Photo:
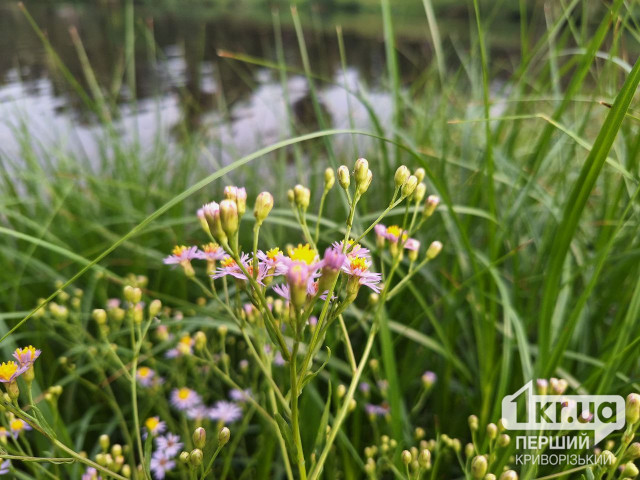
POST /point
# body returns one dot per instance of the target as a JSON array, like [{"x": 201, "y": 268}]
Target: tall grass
[{"x": 539, "y": 179}]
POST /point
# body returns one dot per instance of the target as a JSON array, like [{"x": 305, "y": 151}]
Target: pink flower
[
  {"x": 228, "y": 266},
  {"x": 412, "y": 244},
  {"x": 358, "y": 267},
  {"x": 354, "y": 250},
  {"x": 181, "y": 254},
  {"x": 210, "y": 252}
]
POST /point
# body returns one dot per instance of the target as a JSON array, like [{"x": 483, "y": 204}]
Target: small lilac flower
[
  {"x": 278, "y": 359},
  {"x": 358, "y": 267},
  {"x": 146, "y": 377},
  {"x": 17, "y": 426},
  {"x": 228, "y": 266},
  {"x": 210, "y": 252},
  {"x": 197, "y": 412},
  {"x": 26, "y": 356},
  {"x": 5, "y": 466},
  {"x": 160, "y": 464},
  {"x": 412, "y": 244},
  {"x": 354, "y": 250},
  {"x": 376, "y": 410},
  {"x": 89, "y": 474},
  {"x": 225, "y": 412},
  {"x": 170, "y": 444},
  {"x": 364, "y": 387},
  {"x": 240, "y": 395},
  {"x": 180, "y": 255},
  {"x": 429, "y": 378},
  {"x": 184, "y": 398},
  {"x": 154, "y": 426}
]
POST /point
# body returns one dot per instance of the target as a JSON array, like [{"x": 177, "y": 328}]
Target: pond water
[{"x": 181, "y": 81}]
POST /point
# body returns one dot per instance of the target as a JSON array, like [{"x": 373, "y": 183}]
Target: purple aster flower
[
  {"x": 26, "y": 356},
  {"x": 210, "y": 252},
  {"x": 354, "y": 250},
  {"x": 181, "y": 255},
  {"x": 240, "y": 395},
  {"x": 169, "y": 444},
  {"x": 376, "y": 410},
  {"x": 184, "y": 398},
  {"x": 412, "y": 244},
  {"x": 89, "y": 474},
  {"x": 228, "y": 266},
  {"x": 225, "y": 412},
  {"x": 358, "y": 267},
  {"x": 160, "y": 464}
]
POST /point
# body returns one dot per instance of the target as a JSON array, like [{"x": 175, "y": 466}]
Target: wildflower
[
  {"x": 197, "y": 412},
  {"x": 170, "y": 444},
  {"x": 26, "y": 357},
  {"x": 154, "y": 426},
  {"x": 428, "y": 379},
  {"x": 298, "y": 282},
  {"x": 352, "y": 249},
  {"x": 225, "y": 412},
  {"x": 381, "y": 235},
  {"x": 430, "y": 205},
  {"x": 343, "y": 176},
  {"x": 184, "y": 398},
  {"x": 278, "y": 359},
  {"x": 433, "y": 250},
  {"x": 160, "y": 464},
  {"x": 90, "y": 474},
  {"x": 332, "y": 263},
  {"x": 240, "y": 395},
  {"x": 264, "y": 204},
  {"x": 146, "y": 377},
  {"x": 4, "y": 467},
  {"x": 302, "y": 253},
  {"x": 376, "y": 410},
  {"x": 228, "y": 266},
  {"x": 10, "y": 371},
  {"x": 358, "y": 271},
  {"x": 211, "y": 252},
  {"x": 182, "y": 255},
  {"x": 17, "y": 426}
]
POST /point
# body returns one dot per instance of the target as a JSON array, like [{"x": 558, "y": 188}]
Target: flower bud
[
  {"x": 195, "y": 457},
  {"x": 509, "y": 475},
  {"x": 401, "y": 176},
  {"x": 424, "y": 458},
  {"x": 430, "y": 205},
  {"x": 329, "y": 179},
  {"x": 223, "y": 330},
  {"x": 428, "y": 379},
  {"x": 542, "y": 386},
  {"x": 341, "y": 390},
  {"x": 419, "y": 193},
  {"x": 489, "y": 476},
  {"x": 504, "y": 440},
  {"x": 632, "y": 410},
  {"x": 116, "y": 450},
  {"x": 406, "y": 457},
  {"x": 126, "y": 471},
  {"x": 184, "y": 457},
  {"x": 104, "y": 442},
  {"x": 138, "y": 313},
  {"x": 154, "y": 307},
  {"x": 492, "y": 431},
  {"x": 291, "y": 197},
  {"x": 224, "y": 436},
  {"x": 302, "y": 196},
  {"x": 229, "y": 217},
  {"x": 409, "y": 186},
  {"x": 433, "y": 250},
  {"x": 478, "y": 466},
  {"x": 419, "y": 174},
  {"x": 264, "y": 204},
  {"x": 343, "y": 176},
  {"x": 212, "y": 216},
  {"x": 132, "y": 294},
  {"x": 364, "y": 186},
  {"x": 230, "y": 192},
  {"x": 298, "y": 279},
  {"x": 199, "y": 340},
  {"x": 473, "y": 423},
  {"x": 360, "y": 170},
  {"x": 199, "y": 437},
  {"x": 629, "y": 471},
  {"x": 241, "y": 201},
  {"x": 469, "y": 449},
  {"x": 100, "y": 316},
  {"x": 633, "y": 451}
]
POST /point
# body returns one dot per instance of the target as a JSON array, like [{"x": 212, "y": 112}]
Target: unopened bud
[
  {"x": 632, "y": 409},
  {"x": 360, "y": 171},
  {"x": 341, "y": 391},
  {"x": 430, "y": 205},
  {"x": 489, "y": 476},
  {"x": 401, "y": 176},
  {"x": 224, "y": 436},
  {"x": 104, "y": 442},
  {"x": 302, "y": 196},
  {"x": 195, "y": 457},
  {"x": 406, "y": 457},
  {"x": 629, "y": 471},
  {"x": 229, "y": 217},
  {"x": 200, "y": 340},
  {"x": 264, "y": 204},
  {"x": 409, "y": 186},
  {"x": 343, "y": 176},
  {"x": 478, "y": 466},
  {"x": 634, "y": 450},
  {"x": 184, "y": 457},
  {"x": 424, "y": 458},
  {"x": 509, "y": 475},
  {"x": 126, "y": 471},
  {"x": 504, "y": 440},
  {"x": 492, "y": 431},
  {"x": 212, "y": 216},
  {"x": 199, "y": 437},
  {"x": 419, "y": 174},
  {"x": 329, "y": 179},
  {"x": 132, "y": 294},
  {"x": 433, "y": 250},
  {"x": 241, "y": 201},
  {"x": 419, "y": 193},
  {"x": 100, "y": 316}
]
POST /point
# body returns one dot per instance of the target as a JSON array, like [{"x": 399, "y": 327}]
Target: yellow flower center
[
  {"x": 303, "y": 253},
  {"x": 273, "y": 253},
  {"x": 359, "y": 263},
  {"x": 178, "y": 250},
  {"x": 184, "y": 393},
  {"x": 16, "y": 425},
  {"x": 144, "y": 372},
  {"x": 211, "y": 247},
  {"x": 186, "y": 340},
  {"x": 394, "y": 230},
  {"x": 23, "y": 351},
  {"x": 152, "y": 423},
  {"x": 7, "y": 369},
  {"x": 228, "y": 262}
]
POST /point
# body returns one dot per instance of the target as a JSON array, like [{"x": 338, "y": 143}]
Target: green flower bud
[
  {"x": 264, "y": 204},
  {"x": 401, "y": 176},
  {"x": 633, "y": 451},
  {"x": 223, "y": 436},
  {"x": 302, "y": 196},
  {"x": 632, "y": 409},
  {"x": 104, "y": 442},
  {"x": 419, "y": 174},
  {"x": 433, "y": 250},
  {"x": 419, "y": 193},
  {"x": 489, "y": 476},
  {"x": 200, "y": 341},
  {"x": 199, "y": 437},
  {"x": 360, "y": 171},
  {"x": 509, "y": 475},
  {"x": 478, "y": 466},
  {"x": 184, "y": 457},
  {"x": 364, "y": 186},
  {"x": 154, "y": 307},
  {"x": 329, "y": 179},
  {"x": 504, "y": 440},
  {"x": 492, "y": 431},
  {"x": 229, "y": 217},
  {"x": 116, "y": 450},
  {"x": 343, "y": 176},
  {"x": 630, "y": 470},
  {"x": 406, "y": 457},
  {"x": 100, "y": 316},
  {"x": 195, "y": 457},
  {"x": 126, "y": 471},
  {"x": 430, "y": 205},
  {"x": 469, "y": 450},
  {"x": 132, "y": 294},
  {"x": 409, "y": 186},
  {"x": 424, "y": 458},
  {"x": 211, "y": 213}
]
